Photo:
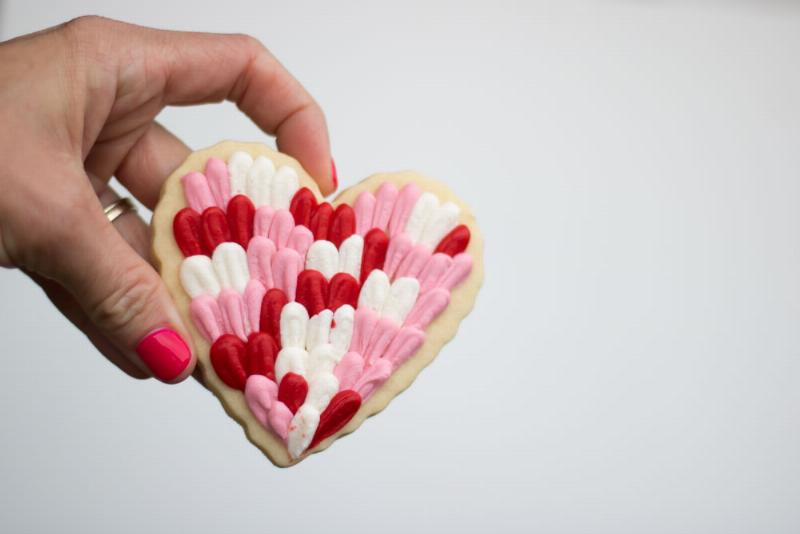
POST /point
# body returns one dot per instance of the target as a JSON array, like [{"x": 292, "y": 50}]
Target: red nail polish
[
  {"x": 333, "y": 174},
  {"x": 165, "y": 353}
]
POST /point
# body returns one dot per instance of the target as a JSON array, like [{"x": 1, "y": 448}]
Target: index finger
[{"x": 206, "y": 67}]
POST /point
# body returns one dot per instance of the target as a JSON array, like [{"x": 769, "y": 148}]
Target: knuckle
[
  {"x": 85, "y": 34},
  {"x": 250, "y": 43},
  {"x": 129, "y": 298},
  {"x": 85, "y": 23}
]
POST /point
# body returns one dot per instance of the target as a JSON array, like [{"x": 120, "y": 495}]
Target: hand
[{"x": 77, "y": 105}]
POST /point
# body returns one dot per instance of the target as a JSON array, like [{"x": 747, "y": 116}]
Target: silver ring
[{"x": 119, "y": 207}]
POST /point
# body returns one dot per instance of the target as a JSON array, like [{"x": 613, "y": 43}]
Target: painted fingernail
[
  {"x": 333, "y": 175},
  {"x": 165, "y": 353}
]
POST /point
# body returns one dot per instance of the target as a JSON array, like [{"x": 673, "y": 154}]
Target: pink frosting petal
[
  {"x": 282, "y": 224},
  {"x": 385, "y": 199},
  {"x": 261, "y": 394},
  {"x": 402, "y": 208},
  {"x": 414, "y": 261},
  {"x": 407, "y": 341},
  {"x": 207, "y": 316},
  {"x": 279, "y": 418},
  {"x": 427, "y": 308},
  {"x": 219, "y": 182},
  {"x": 434, "y": 270},
  {"x": 286, "y": 265},
  {"x": 260, "y": 252},
  {"x": 348, "y": 370},
  {"x": 234, "y": 313},
  {"x": 262, "y": 221},
  {"x": 363, "y": 324},
  {"x": 462, "y": 266},
  {"x": 364, "y": 208},
  {"x": 399, "y": 247},
  {"x": 198, "y": 194},
  {"x": 385, "y": 330},
  {"x": 300, "y": 238},
  {"x": 373, "y": 378},
  {"x": 253, "y": 296}
]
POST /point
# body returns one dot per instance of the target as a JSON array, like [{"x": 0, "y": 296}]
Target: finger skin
[
  {"x": 149, "y": 162},
  {"x": 182, "y": 68}
]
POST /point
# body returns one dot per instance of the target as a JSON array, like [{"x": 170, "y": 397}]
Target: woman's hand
[{"x": 77, "y": 105}]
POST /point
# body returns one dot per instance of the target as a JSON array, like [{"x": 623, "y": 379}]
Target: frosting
[
  {"x": 364, "y": 208},
  {"x": 259, "y": 180},
  {"x": 230, "y": 265},
  {"x": 218, "y": 181},
  {"x": 280, "y": 227},
  {"x": 406, "y": 201},
  {"x": 376, "y": 244},
  {"x": 323, "y": 256},
  {"x": 263, "y": 220},
  {"x": 198, "y": 194},
  {"x": 198, "y": 277},
  {"x": 234, "y": 314},
  {"x": 302, "y": 429},
  {"x": 350, "y": 252},
  {"x": 238, "y": 166},
  {"x": 310, "y": 308},
  {"x": 213, "y": 228},
  {"x": 384, "y": 204},
  {"x": 293, "y": 391}
]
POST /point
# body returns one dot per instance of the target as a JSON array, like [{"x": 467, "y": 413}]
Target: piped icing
[{"x": 309, "y": 308}]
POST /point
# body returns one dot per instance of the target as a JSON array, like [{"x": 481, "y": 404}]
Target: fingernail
[
  {"x": 165, "y": 353},
  {"x": 333, "y": 174}
]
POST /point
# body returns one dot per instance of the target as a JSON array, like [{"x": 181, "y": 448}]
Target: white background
[{"x": 632, "y": 363}]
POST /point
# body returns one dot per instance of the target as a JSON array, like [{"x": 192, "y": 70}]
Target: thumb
[{"x": 121, "y": 294}]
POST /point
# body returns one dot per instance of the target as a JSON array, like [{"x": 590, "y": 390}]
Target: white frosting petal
[
  {"x": 319, "y": 329},
  {"x": 230, "y": 264},
  {"x": 294, "y": 322},
  {"x": 374, "y": 291},
  {"x": 238, "y": 165},
  {"x": 302, "y": 429},
  {"x": 259, "y": 181},
  {"x": 342, "y": 333},
  {"x": 401, "y": 299},
  {"x": 290, "y": 360},
  {"x": 284, "y": 185},
  {"x": 426, "y": 204},
  {"x": 350, "y": 252},
  {"x": 443, "y": 219},
  {"x": 322, "y": 359},
  {"x": 321, "y": 389},
  {"x": 323, "y": 257},
  {"x": 198, "y": 277}
]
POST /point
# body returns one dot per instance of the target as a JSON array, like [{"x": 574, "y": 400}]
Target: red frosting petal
[
  {"x": 312, "y": 291},
  {"x": 186, "y": 227},
  {"x": 214, "y": 228},
  {"x": 227, "y": 357},
  {"x": 321, "y": 221},
  {"x": 342, "y": 289},
  {"x": 340, "y": 410},
  {"x": 375, "y": 244},
  {"x": 260, "y": 356},
  {"x": 241, "y": 213},
  {"x": 292, "y": 391},
  {"x": 343, "y": 224},
  {"x": 454, "y": 242},
  {"x": 273, "y": 302},
  {"x": 303, "y": 205}
]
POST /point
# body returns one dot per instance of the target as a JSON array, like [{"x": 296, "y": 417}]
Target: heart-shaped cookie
[{"x": 307, "y": 317}]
